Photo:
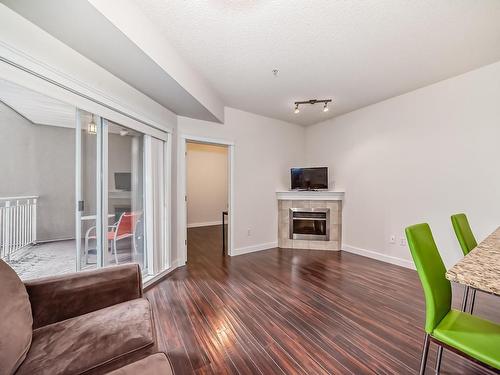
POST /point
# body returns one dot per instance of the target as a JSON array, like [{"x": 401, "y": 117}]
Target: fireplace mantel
[{"x": 321, "y": 195}]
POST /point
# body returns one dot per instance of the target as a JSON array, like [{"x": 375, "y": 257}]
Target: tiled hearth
[{"x": 310, "y": 200}]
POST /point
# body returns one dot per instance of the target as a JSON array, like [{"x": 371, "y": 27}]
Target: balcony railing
[{"x": 17, "y": 224}]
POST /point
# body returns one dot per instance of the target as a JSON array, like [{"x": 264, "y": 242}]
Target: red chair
[{"x": 122, "y": 229}]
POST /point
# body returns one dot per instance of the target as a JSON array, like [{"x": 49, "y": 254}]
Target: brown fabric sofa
[{"x": 90, "y": 322}]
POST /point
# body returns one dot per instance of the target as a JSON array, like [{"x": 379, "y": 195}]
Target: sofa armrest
[{"x": 57, "y": 298}]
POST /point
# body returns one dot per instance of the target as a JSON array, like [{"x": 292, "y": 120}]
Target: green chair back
[
  {"x": 463, "y": 232},
  {"x": 431, "y": 270}
]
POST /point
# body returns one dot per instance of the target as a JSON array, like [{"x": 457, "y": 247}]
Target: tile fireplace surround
[{"x": 310, "y": 200}]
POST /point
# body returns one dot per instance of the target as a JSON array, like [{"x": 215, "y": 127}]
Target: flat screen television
[
  {"x": 123, "y": 181},
  {"x": 309, "y": 178}
]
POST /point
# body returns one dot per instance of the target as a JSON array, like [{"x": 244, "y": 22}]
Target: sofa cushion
[
  {"x": 83, "y": 343},
  {"x": 156, "y": 364},
  {"x": 16, "y": 320}
]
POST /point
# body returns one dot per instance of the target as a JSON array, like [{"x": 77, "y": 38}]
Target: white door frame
[
  {"x": 78, "y": 189},
  {"x": 182, "y": 192}
]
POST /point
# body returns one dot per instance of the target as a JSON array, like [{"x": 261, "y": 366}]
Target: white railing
[{"x": 17, "y": 224}]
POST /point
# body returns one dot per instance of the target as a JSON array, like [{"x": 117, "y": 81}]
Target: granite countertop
[{"x": 480, "y": 269}]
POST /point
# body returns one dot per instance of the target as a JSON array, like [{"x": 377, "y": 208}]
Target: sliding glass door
[
  {"x": 78, "y": 190},
  {"x": 157, "y": 205},
  {"x": 120, "y": 196},
  {"x": 125, "y": 197}
]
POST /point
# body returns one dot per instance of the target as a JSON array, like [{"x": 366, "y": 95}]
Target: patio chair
[{"x": 122, "y": 229}]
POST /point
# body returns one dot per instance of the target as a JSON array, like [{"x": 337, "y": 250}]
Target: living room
[{"x": 350, "y": 130}]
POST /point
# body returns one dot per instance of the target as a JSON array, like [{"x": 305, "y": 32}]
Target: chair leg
[
  {"x": 472, "y": 300},
  {"x": 464, "y": 301},
  {"x": 116, "y": 253},
  {"x": 439, "y": 356},
  {"x": 425, "y": 352},
  {"x": 86, "y": 250}
]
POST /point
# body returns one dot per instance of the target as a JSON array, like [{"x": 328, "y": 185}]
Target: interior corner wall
[
  {"x": 206, "y": 175},
  {"x": 264, "y": 151},
  {"x": 418, "y": 157}
]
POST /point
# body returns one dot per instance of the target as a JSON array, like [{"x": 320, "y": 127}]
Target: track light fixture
[{"x": 313, "y": 101}]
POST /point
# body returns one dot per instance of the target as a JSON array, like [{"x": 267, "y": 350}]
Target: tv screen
[
  {"x": 123, "y": 181},
  {"x": 309, "y": 178}
]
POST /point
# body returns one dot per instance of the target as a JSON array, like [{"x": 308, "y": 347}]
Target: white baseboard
[
  {"x": 254, "y": 248},
  {"x": 204, "y": 224},
  {"x": 379, "y": 256}
]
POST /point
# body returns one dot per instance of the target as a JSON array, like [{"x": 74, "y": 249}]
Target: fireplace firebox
[{"x": 309, "y": 224}]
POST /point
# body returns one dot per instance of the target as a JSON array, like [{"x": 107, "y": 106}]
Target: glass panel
[
  {"x": 87, "y": 243},
  {"x": 317, "y": 227},
  {"x": 157, "y": 238},
  {"x": 125, "y": 232},
  {"x": 37, "y": 191}
]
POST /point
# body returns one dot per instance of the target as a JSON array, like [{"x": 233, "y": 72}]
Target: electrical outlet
[
  {"x": 402, "y": 241},
  {"x": 249, "y": 232},
  {"x": 392, "y": 239}
]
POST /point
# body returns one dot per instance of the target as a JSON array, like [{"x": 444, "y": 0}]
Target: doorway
[{"x": 206, "y": 222}]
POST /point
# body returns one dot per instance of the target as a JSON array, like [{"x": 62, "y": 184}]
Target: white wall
[
  {"x": 264, "y": 151},
  {"x": 418, "y": 157},
  {"x": 39, "y": 160},
  {"x": 206, "y": 171}
]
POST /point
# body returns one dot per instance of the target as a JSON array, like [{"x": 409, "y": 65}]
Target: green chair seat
[{"x": 476, "y": 337}]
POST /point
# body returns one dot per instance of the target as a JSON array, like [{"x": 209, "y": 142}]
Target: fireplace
[{"x": 309, "y": 224}]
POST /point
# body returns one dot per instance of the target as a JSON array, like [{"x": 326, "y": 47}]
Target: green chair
[
  {"x": 465, "y": 334},
  {"x": 467, "y": 243},
  {"x": 463, "y": 232}
]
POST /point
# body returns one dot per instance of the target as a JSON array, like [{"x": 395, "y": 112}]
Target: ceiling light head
[
  {"x": 325, "y": 107},
  {"x": 123, "y": 132},
  {"x": 92, "y": 127},
  {"x": 297, "y": 110}
]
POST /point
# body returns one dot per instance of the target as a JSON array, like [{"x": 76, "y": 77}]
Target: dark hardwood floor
[{"x": 295, "y": 311}]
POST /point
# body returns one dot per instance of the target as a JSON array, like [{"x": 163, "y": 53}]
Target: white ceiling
[
  {"x": 78, "y": 24},
  {"x": 356, "y": 52},
  {"x": 40, "y": 109},
  {"x": 37, "y": 108}
]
